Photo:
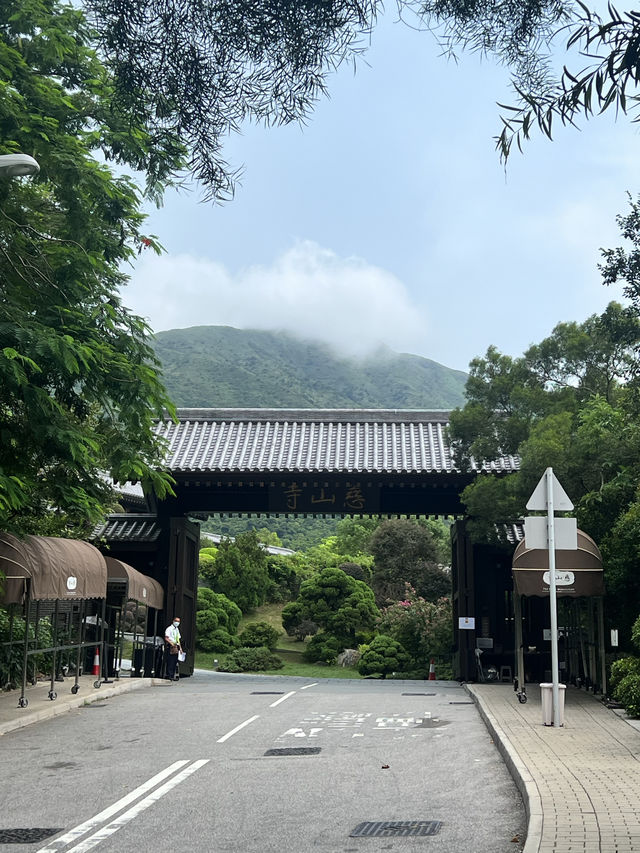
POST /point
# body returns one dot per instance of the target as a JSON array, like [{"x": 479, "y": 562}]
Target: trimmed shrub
[
  {"x": 251, "y": 660},
  {"x": 218, "y": 641},
  {"x": 620, "y": 669},
  {"x": 323, "y": 648},
  {"x": 258, "y": 634},
  {"x": 628, "y": 694},
  {"x": 382, "y": 656}
]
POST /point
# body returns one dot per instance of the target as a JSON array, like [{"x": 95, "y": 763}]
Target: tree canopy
[{"x": 79, "y": 383}]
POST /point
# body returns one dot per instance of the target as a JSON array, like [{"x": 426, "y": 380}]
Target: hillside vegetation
[{"x": 218, "y": 366}]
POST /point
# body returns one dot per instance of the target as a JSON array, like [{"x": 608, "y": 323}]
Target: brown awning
[
  {"x": 139, "y": 587},
  {"x": 578, "y": 572},
  {"x": 48, "y": 568}
]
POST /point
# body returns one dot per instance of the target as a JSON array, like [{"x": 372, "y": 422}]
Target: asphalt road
[{"x": 186, "y": 767}]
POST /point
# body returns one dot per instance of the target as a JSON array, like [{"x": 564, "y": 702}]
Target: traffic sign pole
[{"x": 553, "y": 606}]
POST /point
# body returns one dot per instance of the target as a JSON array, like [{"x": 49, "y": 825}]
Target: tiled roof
[
  {"x": 312, "y": 440},
  {"x": 128, "y": 528}
]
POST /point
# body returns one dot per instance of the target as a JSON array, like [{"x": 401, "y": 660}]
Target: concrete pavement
[{"x": 580, "y": 783}]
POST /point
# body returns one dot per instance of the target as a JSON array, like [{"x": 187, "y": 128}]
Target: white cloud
[{"x": 307, "y": 290}]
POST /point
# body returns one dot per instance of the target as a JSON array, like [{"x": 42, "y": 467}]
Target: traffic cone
[
  {"x": 96, "y": 662},
  {"x": 432, "y": 670}
]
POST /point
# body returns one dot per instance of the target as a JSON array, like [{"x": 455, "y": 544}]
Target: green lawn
[{"x": 289, "y": 649}]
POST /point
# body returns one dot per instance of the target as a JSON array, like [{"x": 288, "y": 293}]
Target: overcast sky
[{"x": 389, "y": 218}]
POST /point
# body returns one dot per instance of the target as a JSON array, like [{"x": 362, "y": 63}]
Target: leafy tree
[
  {"x": 79, "y": 382},
  {"x": 423, "y": 628},
  {"x": 353, "y": 535},
  {"x": 286, "y": 573},
  {"x": 405, "y": 552},
  {"x": 382, "y": 656},
  {"x": 197, "y": 71},
  {"x": 338, "y": 603},
  {"x": 240, "y": 571}
]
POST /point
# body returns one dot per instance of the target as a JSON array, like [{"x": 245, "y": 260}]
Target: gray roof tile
[{"x": 312, "y": 440}]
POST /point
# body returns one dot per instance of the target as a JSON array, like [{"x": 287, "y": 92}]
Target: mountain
[{"x": 219, "y": 366}]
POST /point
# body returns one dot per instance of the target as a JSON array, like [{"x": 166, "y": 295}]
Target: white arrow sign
[{"x": 538, "y": 500}]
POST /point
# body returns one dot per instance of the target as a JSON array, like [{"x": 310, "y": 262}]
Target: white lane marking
[
  {"x": 307, "y": 686},
  {"x": 237, "y": 729},
  {"x": 93, "y": 822},
  {"x": 123, "y": 819},
  {"x": 281, "y": 699}
]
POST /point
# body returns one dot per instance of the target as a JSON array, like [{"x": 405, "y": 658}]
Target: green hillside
[{"x": 218, "y": 366}]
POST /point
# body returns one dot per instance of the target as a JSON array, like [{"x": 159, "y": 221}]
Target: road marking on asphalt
[
  {"x": 307, "y": 686},
  {"x": 92, "y": 823},
  {"x": 282, "y": 698},
  {"x": 237, "y": 729},
  {"x": 138, "y": 808}
]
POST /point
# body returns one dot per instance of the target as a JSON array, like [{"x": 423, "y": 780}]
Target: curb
[
  {"x": 521, "y": 776},
  {"x": 58, "y": 707}
]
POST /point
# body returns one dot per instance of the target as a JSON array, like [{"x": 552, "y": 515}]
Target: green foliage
[
  {"x": 251, "y": 660},
  {"x": 568, "y": 403},
  {"x": 627, "y": 693},
  {"x": 286, "y": 573},
  {"x": 382, "y": 656},
  {"x": 12, "y": 648},
  {"x": 258, "y": 634},
  {"x": 423, "y": 628},
  {"x": 240, "y": 571},
  {"x": 79, "y": 382},
  {"x": 404, "y": 552},
  {"x": 323, "y": 648},
  {"x": 353, "y": 535},
  {"x": 296, "y": 533},
  {"x": 620, "y": 669},
  {"x": 338, "y": 603},
  {"x": 217, "y": 620},
  {"x": 222, "y": 366}
]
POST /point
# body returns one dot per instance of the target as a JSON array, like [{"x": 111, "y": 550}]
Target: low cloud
[{"x": 308, "y": 290}]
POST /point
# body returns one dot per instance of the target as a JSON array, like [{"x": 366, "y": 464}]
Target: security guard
[{"x": 172, "y": 647}]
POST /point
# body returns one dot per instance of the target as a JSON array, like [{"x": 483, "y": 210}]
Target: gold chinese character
[
  {"x": 323, "y": 499},
  {"x": 354, "y": 499},
  {"x": 293, "y": 493}
]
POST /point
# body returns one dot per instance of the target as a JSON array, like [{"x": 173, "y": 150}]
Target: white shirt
[{"x": 172, "y": 634}]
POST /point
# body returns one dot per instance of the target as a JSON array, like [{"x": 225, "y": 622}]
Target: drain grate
[
  {"x": 267, "y": 692},
  {"x": 387, "y": 828},
  {"x": 25, "y": 836},
  {"x": 461, "y": 703},
  {"x": 419, "y": 694},
  {"x": 294, "y": 750}
]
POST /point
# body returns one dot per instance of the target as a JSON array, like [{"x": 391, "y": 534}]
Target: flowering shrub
[{"x": 423, "y": 628}]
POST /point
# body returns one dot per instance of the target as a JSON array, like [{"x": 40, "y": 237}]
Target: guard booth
[
  {"x": 127, "y": 586},
  {"x": 580, "y": 591},
  {"x": 52, "y": 589}
]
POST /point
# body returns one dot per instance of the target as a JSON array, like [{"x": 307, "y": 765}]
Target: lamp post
[{"x": 18, "y": 166}]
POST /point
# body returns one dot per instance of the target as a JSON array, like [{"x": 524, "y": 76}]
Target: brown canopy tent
[
  {"x": 46, "y": 569},
  {"x": 579, "y": 574},
  {"x": 128, "y": 584}
]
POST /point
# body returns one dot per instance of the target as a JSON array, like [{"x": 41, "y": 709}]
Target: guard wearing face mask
[{"x": 172, "y": 647}]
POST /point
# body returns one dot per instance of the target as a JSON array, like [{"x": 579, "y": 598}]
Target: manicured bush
[
  {"x": 259, "y": 634},
  {"x": 323, "y": 648},
  {"x": 251, "y": 660},
  {"x": 382, "y": 656},
  {"x": 628, "y": 694},
  {"x": 620, "y": 669}
]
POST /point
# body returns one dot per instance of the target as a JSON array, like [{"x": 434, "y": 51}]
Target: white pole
[{"x": 552, "y": 598}]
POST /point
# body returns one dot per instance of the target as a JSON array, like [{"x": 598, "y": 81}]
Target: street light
[{"x": 18, "y": 165}]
